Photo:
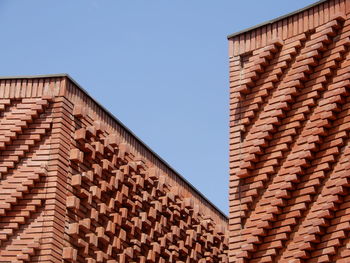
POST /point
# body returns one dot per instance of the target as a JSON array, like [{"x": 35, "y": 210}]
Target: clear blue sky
[{"x": 161, "y": 67}]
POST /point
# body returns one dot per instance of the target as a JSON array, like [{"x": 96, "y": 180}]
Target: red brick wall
[
  {"x": 76, "y": 186},
  {"x": 289, "y": 139}
]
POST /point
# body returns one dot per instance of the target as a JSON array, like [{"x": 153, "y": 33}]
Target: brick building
[
  {"x": 289, "y": 138},
  {"x": 77, "y": 186}
]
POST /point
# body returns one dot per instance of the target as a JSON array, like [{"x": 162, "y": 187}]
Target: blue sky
[{"x": 161, "y": 67}]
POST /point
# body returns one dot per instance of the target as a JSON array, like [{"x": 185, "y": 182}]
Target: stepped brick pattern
[
  {"x": 78, "y": 186},
  {"x": 289, "y": 138}
]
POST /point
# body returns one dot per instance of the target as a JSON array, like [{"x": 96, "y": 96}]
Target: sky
[{"x": 161, "y": 67}]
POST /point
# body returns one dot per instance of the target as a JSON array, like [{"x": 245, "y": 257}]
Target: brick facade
[
  {"x": 289, "y": 138},
  {"x": 77, "y": 186}
]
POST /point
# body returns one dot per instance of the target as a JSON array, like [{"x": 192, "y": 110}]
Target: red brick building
[
  {"x": 77, "y": 186},
  {"x": 289, "y": 138}
]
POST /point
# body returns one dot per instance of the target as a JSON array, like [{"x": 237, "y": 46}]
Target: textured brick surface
[
  {"x": 77, "y": 186},
  {"x": 289, "y": 139}
]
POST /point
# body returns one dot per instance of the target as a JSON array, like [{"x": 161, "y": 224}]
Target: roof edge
[
  {"x": 269, "y": 22},
  {"x": 124, "y": 127}
]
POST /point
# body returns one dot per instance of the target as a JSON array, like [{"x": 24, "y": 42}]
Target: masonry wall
[
  {"x": 77, "y": 186},
  {"x": 289, "y": 138}
]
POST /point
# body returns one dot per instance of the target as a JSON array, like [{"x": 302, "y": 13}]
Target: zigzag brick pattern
[
  {"x": 289, "y": 138},
  {"x": 122, "y": 210},
  {"x": 77, "y": 186}
]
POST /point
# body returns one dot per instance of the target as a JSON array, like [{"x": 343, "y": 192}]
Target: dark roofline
[
  {"x": 124, "y": 127},
  {"x": 276, "y": 19}
]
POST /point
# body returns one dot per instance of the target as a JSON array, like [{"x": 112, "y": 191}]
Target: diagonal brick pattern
[
  {"x": 25, "y": 131},
  {"x": 289, "y": 138}
]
